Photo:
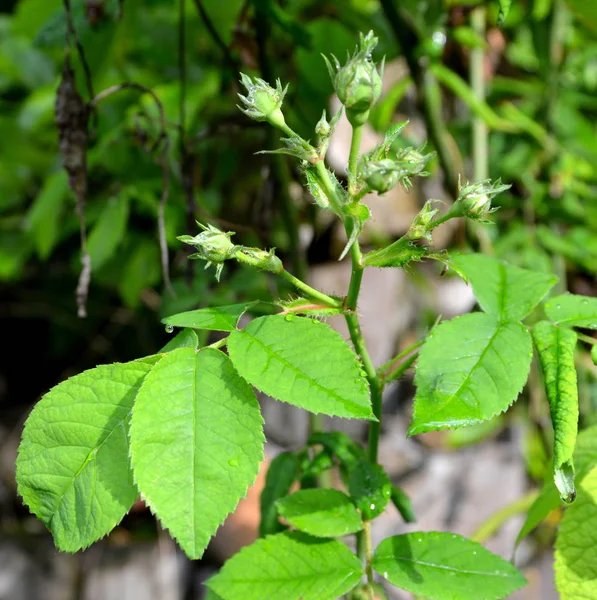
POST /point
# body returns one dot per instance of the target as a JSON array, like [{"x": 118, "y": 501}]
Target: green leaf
[
  {"x": 342, "y": 446},
  {"x": 556, "y": 352},
  {"x": 585, "y": 457},
  {"x": 573, "y": 311},
  {"x": 505, "y": 291},
  {"x": 322, "y": 513},
  {"x": 370, "y": 488},
  {"x": 73, "y": 467},
  {"x": 44, "y": 220},
  {"x": 217, "y": 318},
  {"x": 289, "y": 566},
  {"x": 109, "y": 230},
  {"x": 304, "y": 362},
  {"x": 585, "y": 11},
  {"x": 576, "y": 550},
  {"x": 470, "y": 369},
  {"x": 187, "y": 338},
  {"x": 403, "y": 504},
  {"x": 594, "y": 354},
  {"x": 282, "y": 473},
  {"x": 504, "y": 10},
  {"x": 445, "y": 566},
  {"x": 196, "y": 443}
]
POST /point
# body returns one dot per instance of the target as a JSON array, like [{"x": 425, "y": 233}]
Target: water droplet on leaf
[
  {"x": 289, "y": 318},
  {"x": 169, "y": 328}
]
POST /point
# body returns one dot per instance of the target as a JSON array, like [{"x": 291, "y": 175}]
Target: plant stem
[
  {"x": 402, "y": 368},
  {"x": 385, "y": 368},
  {"x": 489, "y": 527},
  {"x": 353, "y": 157},
  {"x": 480, "y": 132},
  {"x": 311, "y": 292},
  {"x": 219, "y": 343},
  {"x": 368, "y": 551}
]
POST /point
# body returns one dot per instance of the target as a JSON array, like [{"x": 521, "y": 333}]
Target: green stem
[
  {"x": 586, "y": 338},
  {"x": 489, "y": 527},
  {"x": 310, "y": 291},
  {"x": 353, "y": 157},
  {"x": 368, "y": 551},
  {"x": 401, "y": 369},
  {"x": 219, "y": 343},
  {"x": 480, "y": 139},
  {"x": 385, "y": 368}
]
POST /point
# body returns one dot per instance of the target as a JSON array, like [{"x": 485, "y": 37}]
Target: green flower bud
[
  {"x": 422, "y": 225},
  {"x": 212, "y": 245},
  {"x": 262, "y": 102},
  {"x": 358, "y": 83},
  {"x": 380, "y": 175},
  {"x": 474, "y": 199}
]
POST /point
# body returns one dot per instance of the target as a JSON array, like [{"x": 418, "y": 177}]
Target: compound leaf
[
  {"x": 470, "y": 369},
  {"x": 196, "y": 443},
  {"x": 503, "y": 290},
  {"x": 556, "y": 347},
  {"x": 293, "y": 566},
  {"x": 445, "y": 566},
  {"x": 73, "y": 466},
  {"x": 576, "y": 545},
  {"x": 573, "y": 311},
  {"x": 322, "y": 513},
  {"x": 303, "y": 362},
  {"x": 282, "y": 473},
  {"x": 217, "y": 318}
]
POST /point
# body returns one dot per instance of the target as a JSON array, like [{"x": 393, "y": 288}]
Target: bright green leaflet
[
  {"x": 504, "y": 10},
  {"x": 445, "y": 566},
  {"x": 73, "y": 466},
  {"x": 556, "y": 347},
  {"x": 585, "y": 457},
  {"x": 322, "y": 513},
  {"x": 282, "y": 473},
  {"x": 187, "y": 338},
  {"x": 303, "y": 362},
  {"x": 108, "y": 231},
  {"x": 573, "y": 311},
  {"x": 370, "y": 487},
  {"x": 576, "y": 545},
  {"x": 289, "y": 566},
  {"x": 470, "y": 369},
  {"x": 218, "y": 318},
  {"x": 505, "y": 291},
  {"x": 196, "y": 443}
]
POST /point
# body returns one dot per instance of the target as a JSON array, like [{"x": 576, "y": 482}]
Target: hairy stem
[
  {"x": 368, "y": 551},
  {"x": 355, "y": 144},
  {"x": 310, "y": 291}
]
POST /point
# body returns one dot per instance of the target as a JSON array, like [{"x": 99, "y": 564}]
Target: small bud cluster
[
  {"x": 381, "y": 173},
  {"x": 215, "y": 247},
  {"x": 358, "y": 82},
  {"x": 423, "y": 224}
]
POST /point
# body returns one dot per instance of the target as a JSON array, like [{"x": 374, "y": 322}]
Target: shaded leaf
[
  {"x": 322, "y": 513},
  {"x": 216, "y": 318},
  {"x": 292, "y": 566},
  {"x": 196, "y": 443},
  {"x": 556, "y": 352},
  {"x": 445, "y": 566},
  {"x": 73, "y": 465},
  {"x": 505, "y": 291},
  {"x": 109, "y": 230},
  {"x": 187, "y": 338},
  {"x": 303, "y": 362},
  {"x": 573, "y": 311},
  {"x": 282, "y": 473},
  {"x": 470, "y": 369},
  {"x": 370, "y": 488}
]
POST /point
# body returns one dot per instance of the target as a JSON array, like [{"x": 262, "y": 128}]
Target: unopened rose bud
[
  {"x": 263, "y": 102},
  {"x": 358, "y": 82}
]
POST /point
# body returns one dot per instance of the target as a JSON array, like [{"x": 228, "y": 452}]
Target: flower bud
[
  {"x": 262, "y": 102},
  {"x": 260, "y": 259},
  {"x": 358, "y": 83},
  {"x": 422, "y": 225},
  {"x": 474, "y": 199},
  {"x": 380, "y": 175}
]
